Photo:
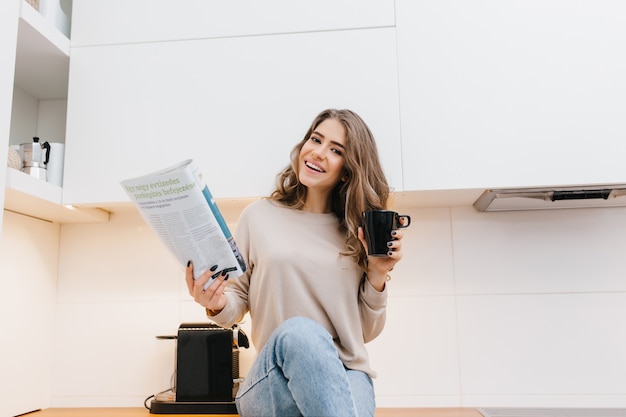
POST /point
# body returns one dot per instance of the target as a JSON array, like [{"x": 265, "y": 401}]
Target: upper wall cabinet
[
  {"x": 8, "y": 40},
  {"x": 120, "y": 21},
  {"x": 34, "y": 88},
  {"x": 42, "y": 59},
  {"x": 514, "y": 93},
  {"x": 237, "y": 105}
]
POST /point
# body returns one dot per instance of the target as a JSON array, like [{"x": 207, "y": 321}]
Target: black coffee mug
[{"x": 377, "y": 226}]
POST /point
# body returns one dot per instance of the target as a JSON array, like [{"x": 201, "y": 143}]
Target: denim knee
[
  {"x": 301, "y": 326},
  {"x": 302, "y": 333}
]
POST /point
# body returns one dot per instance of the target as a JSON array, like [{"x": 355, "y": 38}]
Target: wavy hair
[{"x": 366, "y": 187}]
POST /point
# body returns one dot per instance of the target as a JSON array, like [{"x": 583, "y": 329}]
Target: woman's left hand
[{"x": 380, "y": 266}]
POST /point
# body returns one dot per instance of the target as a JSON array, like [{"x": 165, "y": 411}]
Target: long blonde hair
[{"x": 366, "y": 187}]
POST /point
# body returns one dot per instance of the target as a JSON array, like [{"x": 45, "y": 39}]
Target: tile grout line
[{"x": 456, "y": 310}]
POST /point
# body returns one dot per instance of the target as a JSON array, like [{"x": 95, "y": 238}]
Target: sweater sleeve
[
  {"x": 237, "y": 290},
  {"x": 373, "y": 309}
]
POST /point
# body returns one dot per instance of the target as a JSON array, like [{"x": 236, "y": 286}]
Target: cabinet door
[
  {"x": 9, "y": 12},
  {"x": 514, "y": 93},
  {"x": 150, "y": 21},
  {"x": 236, "y": 105}
]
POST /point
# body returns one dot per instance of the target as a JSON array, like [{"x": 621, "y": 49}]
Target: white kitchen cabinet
[
  {"x": 120, "y": 21},
  {"x": 515, "y": 93},
  {"x": 39, "y": 199},
  {"x": 237, "y": 105},
  {"x": 41, "y": 76},
  {"x": 35, "y": 82},
  {"x": 8, "y": 40}
]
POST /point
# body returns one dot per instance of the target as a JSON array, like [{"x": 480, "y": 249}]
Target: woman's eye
[
  {"x": 314, "y": 139},
  {"x": 337, "y": 151}
]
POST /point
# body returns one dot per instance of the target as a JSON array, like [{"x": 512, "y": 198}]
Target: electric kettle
[{"x": 36, "y": 155}]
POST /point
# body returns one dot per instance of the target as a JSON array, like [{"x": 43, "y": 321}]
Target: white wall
[
  {"x": 23, "y": 117},
  {"x": 28, "y": 271},
  {"x": 516, "y": 308}
]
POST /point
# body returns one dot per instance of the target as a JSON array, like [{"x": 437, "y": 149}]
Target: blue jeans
[{"x": 298, "y": 373}]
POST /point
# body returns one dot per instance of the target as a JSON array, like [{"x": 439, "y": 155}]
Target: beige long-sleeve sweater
[{"x": 295, "y": 269}]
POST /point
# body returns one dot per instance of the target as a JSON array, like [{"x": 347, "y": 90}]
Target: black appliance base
[{"x": 185, "y": 407}]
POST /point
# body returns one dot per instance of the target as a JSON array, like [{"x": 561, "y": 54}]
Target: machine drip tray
[{"x": 188, "y": 407}]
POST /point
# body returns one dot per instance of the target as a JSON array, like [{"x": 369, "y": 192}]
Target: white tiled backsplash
[{"x": 486, "y": 309}]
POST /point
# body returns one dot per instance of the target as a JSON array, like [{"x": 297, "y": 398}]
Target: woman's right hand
[{"x": 213, "y": 297}]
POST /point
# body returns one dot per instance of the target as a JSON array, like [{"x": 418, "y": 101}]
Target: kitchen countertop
[{"x": 137, "y": 412}]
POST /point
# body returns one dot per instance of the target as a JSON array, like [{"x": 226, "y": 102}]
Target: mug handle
[{"x": 407, "y": 219}]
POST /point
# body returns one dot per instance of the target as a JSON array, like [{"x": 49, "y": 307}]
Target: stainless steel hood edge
[{"x": 546, "y": 198}]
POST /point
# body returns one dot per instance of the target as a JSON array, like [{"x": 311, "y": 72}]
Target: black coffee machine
[{"x": 207, "y": 370}]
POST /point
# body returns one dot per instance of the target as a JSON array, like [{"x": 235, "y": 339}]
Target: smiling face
[{"x": 321, "y": 159}]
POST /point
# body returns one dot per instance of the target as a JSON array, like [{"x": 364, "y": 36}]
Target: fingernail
[
  {"x": 213, "y": 268},
  {"x": 226, "y": 277},
  {"x": 394, "y": 232},
  {"x": 389, "y": 253},
  {"x": 188, "y": 264},
  {"x": 224, "y": 272},
  {"x": 389, "y": 244}
]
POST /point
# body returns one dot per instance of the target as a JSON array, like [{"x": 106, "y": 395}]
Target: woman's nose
[{"x": 319, "y": 153}]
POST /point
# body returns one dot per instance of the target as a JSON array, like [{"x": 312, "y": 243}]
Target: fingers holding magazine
[{"x": 208, "y": 289}]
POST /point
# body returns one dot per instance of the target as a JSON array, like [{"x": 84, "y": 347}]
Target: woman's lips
[{"x": 313, "y": 166}]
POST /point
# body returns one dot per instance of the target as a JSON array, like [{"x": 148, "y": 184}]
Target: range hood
[{"x": 544, "y": 198}]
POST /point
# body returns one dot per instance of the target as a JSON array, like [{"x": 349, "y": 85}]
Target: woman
[{"x": 314, "y": 296}]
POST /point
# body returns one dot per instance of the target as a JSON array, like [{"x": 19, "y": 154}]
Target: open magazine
[{"x": 179, "y": 207}]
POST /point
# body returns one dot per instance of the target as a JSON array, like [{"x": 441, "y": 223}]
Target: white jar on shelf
[
  {"x": 55, "y": 163},
  {"x": 59, "y": 13}
]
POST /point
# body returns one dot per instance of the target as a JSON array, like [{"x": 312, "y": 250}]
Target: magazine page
[{"x": 178, "y": 206}]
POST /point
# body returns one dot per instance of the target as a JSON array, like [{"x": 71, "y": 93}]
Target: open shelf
[
  {"x": 36, "y": 198},
  {"x": 42, "y": 56},
  {"x": 42, "y": 70}
]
